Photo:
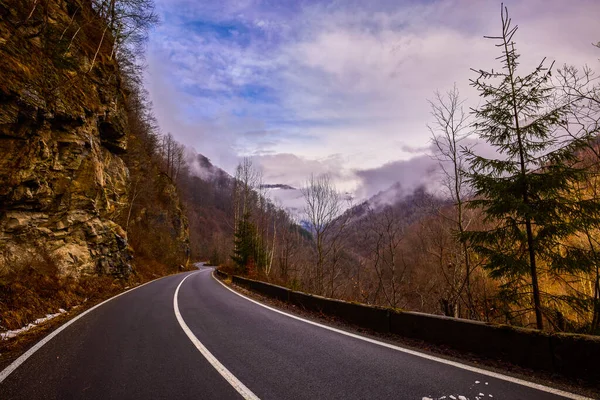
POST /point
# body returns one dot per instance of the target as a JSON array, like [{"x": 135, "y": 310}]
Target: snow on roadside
[{"x": 11, "y": 334}]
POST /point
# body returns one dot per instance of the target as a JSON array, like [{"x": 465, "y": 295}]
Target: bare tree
[
  {"x": 128, "y": 21},
  {"x": 173, "y": 156},
  {"x": 449, "y": 132},
  {"x": 580, "y": 91},
  {"x": 247, "y": 178},
  {"x": 324, "y": 207},
  {"x": 383, "y": 234},
  {"x": 249, "y": 243}
]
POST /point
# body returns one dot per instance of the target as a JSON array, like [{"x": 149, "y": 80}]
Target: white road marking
[
  {"x": 15, "y": 364},
  {"x": 229, "y": 377},
  {"x": 418, "y": 354}
]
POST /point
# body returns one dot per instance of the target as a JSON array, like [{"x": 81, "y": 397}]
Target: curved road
[{"x": 188, "y": 337}]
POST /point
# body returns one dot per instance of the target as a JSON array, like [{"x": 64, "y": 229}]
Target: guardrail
[{"x": 567, "y": 354}]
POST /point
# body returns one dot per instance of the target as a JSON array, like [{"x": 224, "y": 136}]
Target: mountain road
[{"x": 188, "y": 336}]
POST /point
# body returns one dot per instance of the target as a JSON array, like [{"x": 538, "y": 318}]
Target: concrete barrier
[
  {"x": 221, "y": 274},
  {"x": 524, "y": 347},
  {"x": 567, "y": 354},
  {"x": 576, "y": 355},
  {"x": 274, "y": 291},
  {"x": 373, "y": 318}
]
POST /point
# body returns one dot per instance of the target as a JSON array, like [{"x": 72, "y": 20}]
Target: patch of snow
[
  {"x": 477, "y": 383},
  {"x": 12, "y": 333},
  {"x": 462, "y": 398}
]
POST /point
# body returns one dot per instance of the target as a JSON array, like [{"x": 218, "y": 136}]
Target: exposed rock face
[{"x": 62, "y": 131}]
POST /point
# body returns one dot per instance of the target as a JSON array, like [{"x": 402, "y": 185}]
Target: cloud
[
  {"x": 402, "y": 176},
  {"x": 293, "y": 170},
  {"x": 337, "y": 87},
  {"x": 290, "y": 199}
]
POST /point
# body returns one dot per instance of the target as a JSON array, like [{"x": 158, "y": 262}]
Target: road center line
[
  {"x": 225, "y": 373},
  {"x": 496, "y": 375}
]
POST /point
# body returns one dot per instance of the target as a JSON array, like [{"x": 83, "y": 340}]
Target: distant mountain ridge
[
  {"x": 277, "y": 186},
  {"x": 201, "y": 166}
]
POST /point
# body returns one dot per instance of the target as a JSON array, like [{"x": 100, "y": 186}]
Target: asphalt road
[{"x": 135, "y": 347}]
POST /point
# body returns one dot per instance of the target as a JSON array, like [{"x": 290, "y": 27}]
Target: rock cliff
[{"x": 63, "y": 132}]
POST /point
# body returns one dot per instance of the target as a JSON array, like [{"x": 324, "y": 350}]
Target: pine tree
[
  {"x": 525, "y": 193},
  {"x": 215, "y": 257},
  {"x": 244, "y": 244},
  {"x": 248, "y": 248}
]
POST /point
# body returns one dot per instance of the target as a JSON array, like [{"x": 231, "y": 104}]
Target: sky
[{"x": 338, "y": 87}]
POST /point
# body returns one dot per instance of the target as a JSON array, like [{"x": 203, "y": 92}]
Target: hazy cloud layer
[{"x": 337, "y": 87}]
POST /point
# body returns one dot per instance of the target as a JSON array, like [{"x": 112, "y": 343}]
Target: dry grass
[{"x": 35, "y": 288}]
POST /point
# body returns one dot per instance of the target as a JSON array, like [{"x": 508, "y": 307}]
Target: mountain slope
[{"x": 80, "y": 171}]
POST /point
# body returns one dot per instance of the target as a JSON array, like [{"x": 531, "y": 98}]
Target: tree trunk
[{"x": 534, "y": 278}]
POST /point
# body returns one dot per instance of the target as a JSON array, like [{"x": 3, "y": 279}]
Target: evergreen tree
[
  {"x": 248, "y": 250},
  {"x": 244, "y": 244},
  {"x": 525, "y": 193},
  {"x": 215, "y": 257}
]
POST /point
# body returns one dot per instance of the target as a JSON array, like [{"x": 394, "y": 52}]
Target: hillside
[
  {"x": 206, "y": 191},
  {"x": 75, "y": 141}
]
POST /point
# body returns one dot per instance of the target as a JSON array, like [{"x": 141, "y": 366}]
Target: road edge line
[
  {"x": 17, "y": 363},
  {"x": 456, "y": 364},
  {"x": 221, "y": 369}
]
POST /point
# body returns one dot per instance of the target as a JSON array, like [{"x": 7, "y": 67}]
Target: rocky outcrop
[{"x": 63, "y": 129}]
